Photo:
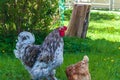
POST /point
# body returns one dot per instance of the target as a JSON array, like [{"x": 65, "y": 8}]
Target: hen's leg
[{"x": 52, "y": 76}]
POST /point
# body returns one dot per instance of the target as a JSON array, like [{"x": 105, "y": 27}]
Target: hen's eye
[{"x": 83, "y": 62}]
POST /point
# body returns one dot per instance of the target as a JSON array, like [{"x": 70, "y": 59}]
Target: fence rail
[{"x": 109, "y": 4}]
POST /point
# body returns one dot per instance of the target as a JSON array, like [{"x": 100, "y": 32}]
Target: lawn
[{"x": 102, "y": 46}]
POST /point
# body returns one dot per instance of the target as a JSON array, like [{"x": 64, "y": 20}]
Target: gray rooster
[{"x": 41, "y": 60}]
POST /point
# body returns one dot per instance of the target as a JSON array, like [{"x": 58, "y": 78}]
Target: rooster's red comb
[{"x": 65, "y": 27}]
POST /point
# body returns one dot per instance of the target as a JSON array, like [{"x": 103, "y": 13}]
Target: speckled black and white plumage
[{"x": 40, "y": 60}]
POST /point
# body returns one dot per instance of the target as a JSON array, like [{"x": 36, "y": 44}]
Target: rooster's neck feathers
[
  {"x": 52, "y": 41},
  {"x": 50, "y": 45}
]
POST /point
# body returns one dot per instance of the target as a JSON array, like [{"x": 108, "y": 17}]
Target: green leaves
[
  {"x": 35, "y": 16},
  {"x": 26, "y": 14}
]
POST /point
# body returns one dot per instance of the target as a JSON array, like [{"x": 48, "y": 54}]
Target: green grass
[
  {"x": 109, "y": 30},
  {"x": 102, "y": 66},
  {"x": 102, "y": 46},
  {"x": 12, "y": 69}
]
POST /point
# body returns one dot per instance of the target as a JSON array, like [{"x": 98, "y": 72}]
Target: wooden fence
[{"x": 109, "y": 4}]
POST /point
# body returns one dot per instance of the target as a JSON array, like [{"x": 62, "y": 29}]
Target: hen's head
[
  {"x": 62, "y": 30},
  {"x": 83, "y": 65},
  {"x": 25, "y": 38}
]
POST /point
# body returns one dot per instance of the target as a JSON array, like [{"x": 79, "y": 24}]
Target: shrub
[
  {"x": 67, "y": 14},
  {"x": 19, "y": 15},
  {"x": 35, "y": 16}
]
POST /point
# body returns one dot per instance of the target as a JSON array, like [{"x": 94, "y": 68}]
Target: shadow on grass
[{"x": 77, "y": 45}]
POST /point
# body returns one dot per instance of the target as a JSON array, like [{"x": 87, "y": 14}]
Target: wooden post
[
  {"x": 79, "y": 20},
  {"x": 111, "y": 4}
]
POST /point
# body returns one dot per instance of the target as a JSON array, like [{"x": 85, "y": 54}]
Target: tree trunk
[{"x": 79, "y": 20}]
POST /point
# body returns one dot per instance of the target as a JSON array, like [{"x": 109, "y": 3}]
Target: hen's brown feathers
[{"x": 79, "y": 71}]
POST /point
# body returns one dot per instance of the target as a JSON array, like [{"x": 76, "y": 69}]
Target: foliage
[
  {"x": 67, "y": 14},
  {"x": 35, "y": 16},
  {"x": 31, "y": 15},
  {"x": 7, "y": 44}
]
